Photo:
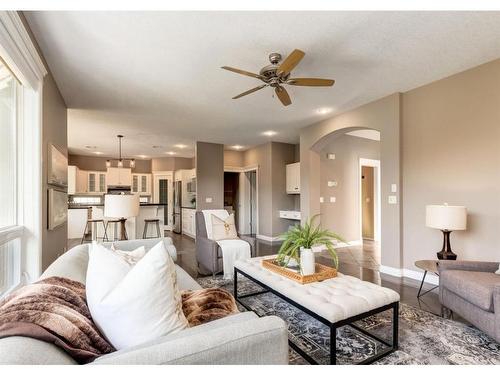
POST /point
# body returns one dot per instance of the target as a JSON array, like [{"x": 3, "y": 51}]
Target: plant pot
[{"x": 307, "y": 263}]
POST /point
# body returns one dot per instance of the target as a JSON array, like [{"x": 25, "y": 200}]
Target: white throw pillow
[
  {"x": 498, "y": 270},
  {"x": 133, "y": 304},
  {"x": 131, "y": 257},
  {"x": 223, "y": 229}
]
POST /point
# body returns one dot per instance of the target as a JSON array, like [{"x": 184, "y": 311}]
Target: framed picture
[
  {"x": 57, "y": 171},
  {"x": 57, "y": 208}
]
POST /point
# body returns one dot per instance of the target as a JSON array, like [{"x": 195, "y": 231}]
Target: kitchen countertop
[{"x": 81, "y": 206}]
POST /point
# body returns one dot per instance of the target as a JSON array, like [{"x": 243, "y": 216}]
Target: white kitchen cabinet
[
  {"x": 141, "y": 183},
  {"x": 96, "y": 182},
  {"x": 189, "y": 222},
  {"x": 293, "y": 178},
  {"x": 77, "y": 180},
  {"x": 119, "y": 176}
]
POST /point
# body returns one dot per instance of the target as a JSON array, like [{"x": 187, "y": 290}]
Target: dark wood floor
[{"x": 359, "y": 261}]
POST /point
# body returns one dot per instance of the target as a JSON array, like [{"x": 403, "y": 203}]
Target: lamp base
[
  {"x": 123, "y": 230},
  {"x": 446, "y": 253}
]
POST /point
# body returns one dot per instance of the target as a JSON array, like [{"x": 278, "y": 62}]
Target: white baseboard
[
  {"x": 269, "y": 239},
  {"x": 415, "y": 275}
]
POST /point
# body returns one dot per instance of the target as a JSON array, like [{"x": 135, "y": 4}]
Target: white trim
[
  {"x": 411, "y": 274},
  {"x": 269, "y": 239},
  {"x": 377, "y": 193},
  {"x": 18, "y": 50},
  {"x": 247, "y": 168},
  {"x": 10, "y": 233}
]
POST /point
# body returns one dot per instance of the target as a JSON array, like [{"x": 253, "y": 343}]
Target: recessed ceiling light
[
  {"x": 98, "y": 152},
  {"x": 91, "y": 147},
  {"x": 323, "y": 111},
  {"x": 269, "y": 133},
  {"x": 180, "y": 145},
  {"x": 237, "y": 147},
  {"x": 170, "y": 153},
  {"x": 154, "y": 146}
]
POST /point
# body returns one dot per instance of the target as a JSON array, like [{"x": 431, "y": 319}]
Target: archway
[{"x": 384, "y": 116}]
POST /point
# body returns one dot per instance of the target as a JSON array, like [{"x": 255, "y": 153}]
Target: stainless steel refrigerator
[{"x": 177, "y": 227}]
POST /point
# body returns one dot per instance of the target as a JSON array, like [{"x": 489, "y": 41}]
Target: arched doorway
[{"x": 382, "y": 116}]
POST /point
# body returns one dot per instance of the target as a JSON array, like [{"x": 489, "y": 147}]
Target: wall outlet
[
  {"x": 321, "y": 200},
  {"x": 394, "y": 188},
  {"x": 333, "y": 199},
  {"x": 332, "y": 183},
  {"x": 393, "y": 199},
  {"x": 330, "y": 156},
  {"x": 208, "y": 200}
]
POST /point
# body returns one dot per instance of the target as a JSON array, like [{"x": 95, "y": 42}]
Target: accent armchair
[
  {"x": 208, "y": 252},
  {"x": 472, "y": 289}
]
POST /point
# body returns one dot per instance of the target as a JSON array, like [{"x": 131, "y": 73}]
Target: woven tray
[{"x": 322, "y": 272}]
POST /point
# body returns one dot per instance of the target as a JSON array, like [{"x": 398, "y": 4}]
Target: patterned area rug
[{"x": 424, "y": 338}]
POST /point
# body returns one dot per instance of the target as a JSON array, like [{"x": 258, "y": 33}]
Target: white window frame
[{"x": 22, "y": 58}]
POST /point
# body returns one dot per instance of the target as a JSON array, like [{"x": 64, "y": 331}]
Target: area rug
[{"x": 424, "y": 338}]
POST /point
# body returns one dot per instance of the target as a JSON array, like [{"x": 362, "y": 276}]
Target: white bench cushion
[{"x": 334, "y": 299}]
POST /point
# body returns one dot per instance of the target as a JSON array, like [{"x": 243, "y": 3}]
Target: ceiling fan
[{"x": 278, "y": 74}]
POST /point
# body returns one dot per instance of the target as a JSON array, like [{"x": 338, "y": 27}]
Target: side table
[{"x": 426, "y": 266}]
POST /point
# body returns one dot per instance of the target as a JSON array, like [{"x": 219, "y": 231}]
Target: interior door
[{"x": 162, "y": 193}]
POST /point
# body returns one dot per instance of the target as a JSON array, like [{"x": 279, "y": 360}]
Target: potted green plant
[{"x": 304, "y": 238}]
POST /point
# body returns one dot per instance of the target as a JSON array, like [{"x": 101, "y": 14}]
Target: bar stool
[
  {"x": 92, "y": 224},
  {"x": 115, "y": 223},
  {"x": 146, "y": 224}
]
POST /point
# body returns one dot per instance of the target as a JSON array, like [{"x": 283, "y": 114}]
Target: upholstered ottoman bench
[{"x": 335, "y": 302}]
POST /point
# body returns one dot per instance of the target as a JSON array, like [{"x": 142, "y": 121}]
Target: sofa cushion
[
  {"x": 475, "y": 287},
  {"x": 18, "y": 350},
  {"x": 72, "y": 264}
]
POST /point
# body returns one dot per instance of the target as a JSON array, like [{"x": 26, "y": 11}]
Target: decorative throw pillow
[
  {"x": 134, "y": 304},
  {"x": 131, "y": 257},
  {"x": 223, "y": 229},
  {"x": 498, "y": 270}
]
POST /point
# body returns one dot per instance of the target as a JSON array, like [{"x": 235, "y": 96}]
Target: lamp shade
[
  {"x": 446, "y": 217},
  {"x": 121, "y": 205}
]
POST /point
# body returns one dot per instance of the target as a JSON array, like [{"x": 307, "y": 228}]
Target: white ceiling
[{"x": 155, "y": 76}]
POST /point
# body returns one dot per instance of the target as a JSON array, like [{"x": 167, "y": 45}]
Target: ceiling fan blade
[
  {"x": 250, "y": 91},
  {"x": 290, "y": 62},
  {"x": 283, "y": 95},
  {"x": 311, "y": 82},
  {"x": 239, "y": 71}
]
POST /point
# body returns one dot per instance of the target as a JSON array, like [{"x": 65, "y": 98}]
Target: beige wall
[
  {"x": 54, "y": 131},
  {"x": 234, "y": 158},
  {"x": 209, "y": 175},
  {"x": 171, "y": 164},
  {"x": 98, "y": 163},
  {"x": 451, "y": 153},
  {"x": 382, "y": 115},
  {"x": 342, "y": 217}
]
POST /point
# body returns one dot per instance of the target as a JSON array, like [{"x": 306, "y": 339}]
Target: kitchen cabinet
[
  {"x": 119, "y": 177},
  {"x": 189, "y": 222},
  {"x": 96, "y": 182},
  {"x": 293, "y": 178},
  {"x": 77, "y": 180},
  {"x": 141, "y": 183}
]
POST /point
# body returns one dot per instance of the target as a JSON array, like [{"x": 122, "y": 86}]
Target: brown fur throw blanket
[
  {"x": 204, "y": 305},
  {"x": 54, "y": 310}
]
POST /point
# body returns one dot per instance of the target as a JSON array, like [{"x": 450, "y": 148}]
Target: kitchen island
[{"x": 78, "y": 214}]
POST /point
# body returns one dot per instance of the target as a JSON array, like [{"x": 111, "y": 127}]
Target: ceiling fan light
[{"x": 108, "y": 163}]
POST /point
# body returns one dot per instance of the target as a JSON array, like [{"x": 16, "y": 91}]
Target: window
[{"x": 10, "y": 241}]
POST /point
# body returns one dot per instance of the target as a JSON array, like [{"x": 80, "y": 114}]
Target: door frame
[
  {"x": 377, "y": 201},
  {"x": 169, "y": 175},
  {"x": 250, "y": 168}
]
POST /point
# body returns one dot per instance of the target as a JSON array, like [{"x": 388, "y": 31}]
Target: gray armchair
[
  {"x": 472, "y": 289},
  {"x": 208, "y": 252}
]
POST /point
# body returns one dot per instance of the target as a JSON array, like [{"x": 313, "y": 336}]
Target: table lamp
[
  {"x": 447, "y": 219},
  {"x": 122, "y": 207}
]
